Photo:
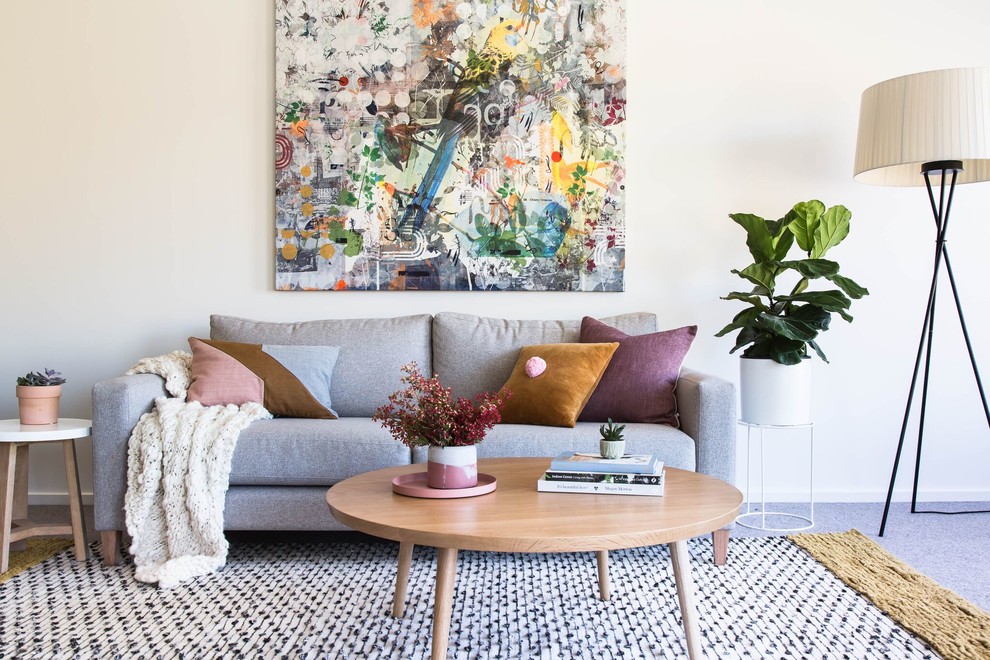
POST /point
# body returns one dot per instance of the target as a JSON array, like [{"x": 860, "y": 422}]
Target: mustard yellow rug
[
  {"x": 38, "y": 550},
  {"x": 953, "y": 626}
]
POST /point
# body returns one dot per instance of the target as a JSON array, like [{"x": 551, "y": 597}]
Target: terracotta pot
[
  {"x": 38, "y": 404},
  {"x": 452, "y": 467}
]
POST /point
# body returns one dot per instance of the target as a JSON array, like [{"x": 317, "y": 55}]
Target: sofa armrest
[
  {"x": 706, "y": 406},
  {"x": 118, "y": 404}
]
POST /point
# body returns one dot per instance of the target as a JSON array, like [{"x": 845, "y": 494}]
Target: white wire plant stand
[{"x": 757, "y": 519}]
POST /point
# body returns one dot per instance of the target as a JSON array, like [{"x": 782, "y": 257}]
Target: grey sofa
[{"x": 283, "y": 467}]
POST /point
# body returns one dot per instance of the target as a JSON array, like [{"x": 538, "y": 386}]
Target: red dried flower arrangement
[{"x": 426, "y": 413}]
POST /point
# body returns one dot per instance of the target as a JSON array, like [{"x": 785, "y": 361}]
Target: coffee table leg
[
  {"x": 443, "y": 601},
  {"x": 685, "y": 594},
  {"x": 402, "y": 578},
  {"x": 603, "y": 587}
]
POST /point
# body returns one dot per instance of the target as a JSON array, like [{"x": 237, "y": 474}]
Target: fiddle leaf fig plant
[{"x": 781, "y": 326}]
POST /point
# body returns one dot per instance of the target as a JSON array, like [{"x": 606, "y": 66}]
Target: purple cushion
[{"x": 638, "y": 385}]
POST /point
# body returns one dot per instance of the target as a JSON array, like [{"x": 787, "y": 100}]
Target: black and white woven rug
[{"x": 322, "y": 600}]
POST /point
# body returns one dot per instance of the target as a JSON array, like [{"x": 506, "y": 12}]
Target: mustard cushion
[{"x": 556, "y": 396}]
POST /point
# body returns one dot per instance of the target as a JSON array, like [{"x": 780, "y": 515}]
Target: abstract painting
[{"x": 473, "y": 145}]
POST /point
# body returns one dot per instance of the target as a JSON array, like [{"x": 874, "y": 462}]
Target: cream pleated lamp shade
[{"x": 924, "y": 117}]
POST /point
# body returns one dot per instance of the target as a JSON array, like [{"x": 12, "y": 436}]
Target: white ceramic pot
[
  {"x": 775, "y": 394},
  {"x": 452, "y": 467},
  {"x": 612, "y": 448}
]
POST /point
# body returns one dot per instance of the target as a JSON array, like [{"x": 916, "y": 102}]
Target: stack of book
[{"x": 575, "y": 472}]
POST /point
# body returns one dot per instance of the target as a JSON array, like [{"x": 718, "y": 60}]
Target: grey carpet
[{"x": 950, "y": 549}]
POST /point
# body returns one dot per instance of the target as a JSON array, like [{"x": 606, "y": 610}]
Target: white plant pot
[{"x": 775, "y": 394}]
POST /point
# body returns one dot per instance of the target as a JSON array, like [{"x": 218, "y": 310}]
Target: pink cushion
[
  {"x": 219, "y": 379},
  {"x": 638, "y": 385}
]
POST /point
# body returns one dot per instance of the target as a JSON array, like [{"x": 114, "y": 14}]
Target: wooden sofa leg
[
  {"x": 720, "y": 541},
  {"x": 110, "y": 546}
]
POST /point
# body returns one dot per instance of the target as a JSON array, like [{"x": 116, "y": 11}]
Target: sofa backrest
[
  {"x": 371, "y": 352},
  {"x": 474, "y": 354}
]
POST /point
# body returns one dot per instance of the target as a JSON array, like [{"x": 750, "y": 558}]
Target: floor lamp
[{"x": 913, "y": 130}]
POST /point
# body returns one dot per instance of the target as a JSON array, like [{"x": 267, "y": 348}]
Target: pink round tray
[{"x": 414, "y": 485}]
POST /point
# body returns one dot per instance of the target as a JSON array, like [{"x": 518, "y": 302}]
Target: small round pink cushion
[{"x": 535, "y": 366}]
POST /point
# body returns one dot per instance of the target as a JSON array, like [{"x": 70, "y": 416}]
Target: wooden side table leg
[
  {"x": 21, "y": 491},
  {"x": 443, "y": 601},
  {"x": 8, "y": 467},
  {"x": 402, "y": 578},
  {"x": 681, "y": 560},
  {"x": 603, "y": 584},
  {"x": 75, "y": 500}
]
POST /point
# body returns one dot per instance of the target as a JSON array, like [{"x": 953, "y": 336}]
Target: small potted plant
[
  {"x": 38, "y": 395},
  {"x": 778, "y": 327},
  {"x": 426, "y": 414},
  {"x": 613, "y": 443}
]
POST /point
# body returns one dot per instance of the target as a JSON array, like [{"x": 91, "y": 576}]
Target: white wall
[{"x": 136, "y": 199}]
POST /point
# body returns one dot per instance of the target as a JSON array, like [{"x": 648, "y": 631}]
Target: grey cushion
[
  {"x": 674, "y": 447},
  {"x": 474, "y": 354},
  {"x": 371, "y": 352},
  {"x": 312, "y": 452}
]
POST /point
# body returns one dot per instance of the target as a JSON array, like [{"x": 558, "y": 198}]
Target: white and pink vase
[{"x": 452, "y": 467}]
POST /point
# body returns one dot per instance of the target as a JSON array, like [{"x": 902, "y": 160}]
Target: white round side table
[
  {"x": 15, "y": 441},
  {"x": 758, "y": 519}
]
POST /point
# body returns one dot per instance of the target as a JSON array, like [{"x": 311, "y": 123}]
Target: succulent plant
[
  {"x": 41, "y": 379},
  {"x": 611, "y": 431}
]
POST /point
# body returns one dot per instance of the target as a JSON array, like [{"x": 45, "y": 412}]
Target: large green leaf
[
  {"x": 782, "y": 243},
  {"x": 751, "y": 298},
  {"x": 834, "y": 227},
  {"x": 804, "y": 222},
  {"x": 851, "y": 289},
  {"x": 758, "y": 237},
  {"x": 760, "y": 275},
  {"x": 813, "y": 315},
  {"x": 760, "y": 348},
  {"x": 813, "y": 268},
  {"x": 832, "y": 300},
  {"x": 746, "y": 336},
  {"x": 744, "y": 319},
  {"x": 787, "y": 326},
  {"x": 818, "y": 350},
  {"x": 778, "y": 349},
  {"x": 787, "y": 351}
]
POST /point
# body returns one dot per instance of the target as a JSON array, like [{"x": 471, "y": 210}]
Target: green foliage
[
  {"x": 611, "y": 431},
  {"x": 782, "y": 327}
]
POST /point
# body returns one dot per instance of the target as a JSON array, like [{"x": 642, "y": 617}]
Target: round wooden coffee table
[{"x": 517, "y": 518}]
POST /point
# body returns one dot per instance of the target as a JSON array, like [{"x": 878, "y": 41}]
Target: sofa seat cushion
[
  {"x": 675, "y": 448},
  {"x": 312, "y": 452}
]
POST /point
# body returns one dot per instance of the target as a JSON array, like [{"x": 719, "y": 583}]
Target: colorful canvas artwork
[{"x": 437, "y": 145}]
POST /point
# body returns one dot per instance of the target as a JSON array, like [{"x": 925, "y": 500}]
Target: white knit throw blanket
[{"x": 178, "y": 471}]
